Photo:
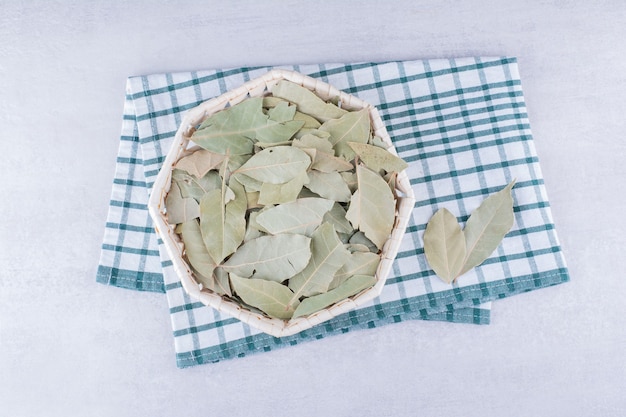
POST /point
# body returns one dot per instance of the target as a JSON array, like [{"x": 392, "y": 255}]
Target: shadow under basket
[{"x": 175, "y": 247}]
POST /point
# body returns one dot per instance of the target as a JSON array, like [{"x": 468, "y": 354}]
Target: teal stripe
[{"x": 125, "y": 249}]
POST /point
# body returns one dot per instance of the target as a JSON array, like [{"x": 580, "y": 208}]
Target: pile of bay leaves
[{"x": 287, "y": 202}]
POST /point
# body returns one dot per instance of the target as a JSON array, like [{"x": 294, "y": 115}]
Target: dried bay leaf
[
  {"x": 312, "y": 141},
  {"x": 329, "y": 185},
  {"x": 282, "y": 193},
  {"x": 274, "y": 299},
  {"x": 275, "y": 165},
  {"x": 194, "y": 187},
  {"x": 307, "y": 101},
  {"x": 350, "y": 287},
  {"x": 359, "y": 238},
  {"x": 273, "y": 258},
  {"x": 487, "y": 226},
  {"x": 378, "y": 159},
  {"x": 234, "y": 130},
  {"x": 372, "y": 206},
  {"x": 444, "y": 245},
  {"x": 337, "y": 216},
  {"x": 301, "y": 216},
  {"x": 223, "y": 222},
  {"x": 200, "y": 162},
  {"x": 180, "y": 209},
  {"x": 451, "y": 252},
  {"x": 195, "y": 250},
  {"x": 359, "y": 263},
  {"x": 218, "y": 282},
  {"x": 351, "y": 127},
  {"x": 328, "y": 255},
  {"x": 282, "y": 112}
]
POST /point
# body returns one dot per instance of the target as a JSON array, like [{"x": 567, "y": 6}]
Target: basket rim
[{"x": 174, "y": 247}]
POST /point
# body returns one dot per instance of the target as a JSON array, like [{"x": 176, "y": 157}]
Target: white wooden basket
[{"x": 175, "y": 247}]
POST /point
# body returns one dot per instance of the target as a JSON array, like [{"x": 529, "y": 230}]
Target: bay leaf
[
  {"x": 234, "y": 130},
  {"x": 275, "y": 165},
  {"x": 358, "y": 263},
  {"x": 283, "y": 193},
  {"x": 250, "y": 184},
  {"x": 235, "y": 161},
  {"x": 306, "y": 193},
  {"x": 351, "y": 127},
  {"x": 350, "y": 287},
  {"x": 282, "y": 112},
  {"x": 350, "y": 179},
  {"x": 310, "y": 124},
  {"x": 274, "y": 299},
  {"x": 444, "y": 245},
  {"x": 179, "y": 209},
  {"x": 378, "y": 159},
  {"x": 218, "y": 282},
  {"x": 273, "y": 258},
  {"x": 194, "y": 187},
  {"x": 307, "y": 101},
  {"x": 356, "y": 247},
  {"x": 372, "y": 206},
  {"x": 223, "y": 222},
  {"x": 378, "y": 141},
  {"x": 195, "y": 250},
  {"x": 487, "y": 226},
  {"x": 301, "y": 216},
  {"x": 325, "y": 162},
  {"x": 253, "y": 199},
  {"x": 271, "y": 101},
  {"x": 328, "y": 255},
  {"x": 200, "y": 162},
  {"x": 252, "y": 231},
  {"x": 312, "y": 141},
  {"x": 359, "y": 238},
  {"x": 329, "y": 185},
  {"x": 337, "y": 216}
]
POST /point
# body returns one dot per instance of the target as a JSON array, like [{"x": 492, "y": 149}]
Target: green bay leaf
[
  {"x": 328, "y": 255},
  {"x": 378, "y": 159},
  {"x": 283, "y": 193},
  {"x": 307, "y": 101},
  {"x": 372, "y": 207},
  {"x": 487, "y": 226},
  {"x": 234, "y": 130},
  {"x": 276, "y": 165},
  {"x": 329, "y": 185},
  {"x": 200, "y": 162},
  {"x": 273, "y": 258},
  {"x": 195, "y": 250},
  {"x": 272, "y": 298},
  {"x": 351, "y": 127},
  {"x": 223, "y": 222},
  {"x": 301, "y": 216},
  {"x": 180, "y": 209},
  {"x": 444, "y": 245},
  {"x": 350, "y": 287}
]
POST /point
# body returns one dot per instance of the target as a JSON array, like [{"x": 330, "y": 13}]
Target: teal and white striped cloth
[{"x": 460, "y": 123}]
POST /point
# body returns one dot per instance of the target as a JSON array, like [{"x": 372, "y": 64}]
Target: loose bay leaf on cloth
[
  {"x": 350, "y": 287},
  {"x": 451, "y": 252},
  {"x": 307, "y": 102},
  {"x": 487, "y": 226},
  {"x": 234, "y": 130},
  {"x": 372, "y": 206},
  {"x": 328, "y": 255},
  {"x": 275, "y": 165},
  {"x": 273, "y": 258},
  {"x": 270, "y": 297},
  {"x": 444, "y": 245},
  {"x": 351, "y": 127},
  {"x": 301, "y": 216}
]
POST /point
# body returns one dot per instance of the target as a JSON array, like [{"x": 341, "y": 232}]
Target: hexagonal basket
[{"x": 175, "y": 247}]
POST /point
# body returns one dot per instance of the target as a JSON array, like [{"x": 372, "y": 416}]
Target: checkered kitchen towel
[{"x": 460, "y": 123}]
